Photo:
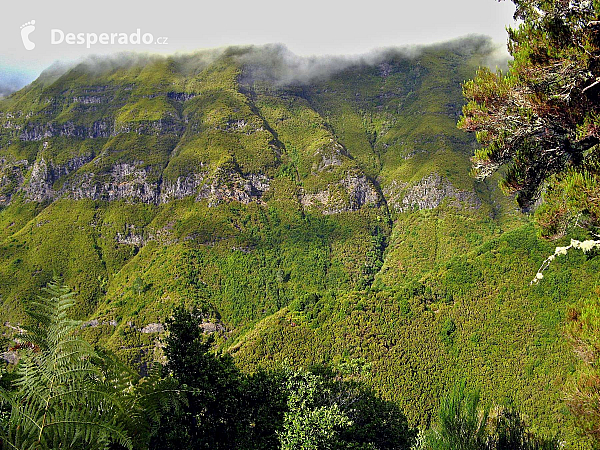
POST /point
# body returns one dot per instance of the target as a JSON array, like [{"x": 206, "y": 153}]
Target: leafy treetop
[{"x": 542, "y": 117}]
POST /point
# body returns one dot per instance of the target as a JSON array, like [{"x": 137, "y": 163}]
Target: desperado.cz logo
[
  {"x": 58, "y": 37},
  {"x": 26, "y": 29},
  {"x": 89, "y": 39}
]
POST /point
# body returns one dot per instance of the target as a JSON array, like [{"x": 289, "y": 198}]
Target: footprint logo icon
[{"x": 26, "y": 30}]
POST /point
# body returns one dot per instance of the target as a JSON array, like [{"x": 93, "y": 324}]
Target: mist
[
  {"x": 276, "y": 64},
  {"x": 11, "y": 82},
  {"x": 273, "y": 63}
]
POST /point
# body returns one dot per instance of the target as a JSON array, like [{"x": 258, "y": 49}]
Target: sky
[{"x": 310, "y": 27}]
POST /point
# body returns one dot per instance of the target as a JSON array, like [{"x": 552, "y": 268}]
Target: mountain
[{"x": 313, "y": 209}]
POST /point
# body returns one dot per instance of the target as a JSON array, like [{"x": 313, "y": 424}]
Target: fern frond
[{"x": 61, "y": 395}]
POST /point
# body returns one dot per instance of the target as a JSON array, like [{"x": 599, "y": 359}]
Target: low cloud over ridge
[{"x": 273, "y": 63}]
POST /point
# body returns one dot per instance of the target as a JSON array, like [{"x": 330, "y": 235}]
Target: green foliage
[
  {"x": 264, "y": 404},
  {"x": 510, "y": 432},
  {"x": 61, "y": 395},
  {"x": 541, "y": 117},
  {"x": 447, "y": 331},
  {"x": 582, "y": 394},
  {"x": 426, "y": 297},
  {"x": 461, "y": 424},
  {"x": 65, "y": 393},
  {"x": 312, "y": 422},
  {"x": 509, "y": 336},
  {"x": 333, "y": 409},
  {"x": 210, "y": 417},
  {"x": 570, "y": 200},
  {"x": 269, "y": 409}
]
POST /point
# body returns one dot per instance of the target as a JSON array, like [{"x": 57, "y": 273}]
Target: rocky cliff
[{"x": 221, "y": 133}]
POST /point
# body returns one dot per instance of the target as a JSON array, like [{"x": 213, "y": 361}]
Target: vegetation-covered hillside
[{"x": 313, "y": 211}]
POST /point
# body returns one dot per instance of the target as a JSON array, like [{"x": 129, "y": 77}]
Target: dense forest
[
  {"x": 65, "y": 392},
  {"x": 241, "y": 249}
]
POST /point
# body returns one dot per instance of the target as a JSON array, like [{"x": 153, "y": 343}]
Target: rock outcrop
[
  {"x": 183, "y": 186},
  {"x": 349, "y": 194},
  {"x": 227, "y": 185},
  {"x": 12, "y": 175},
  {"x": 43, "y": 176},
  {"x": 131, "y": 181},
  {"x": 428, "y": 193},
  {"x": 329, "y": 157},
  {"x": 124, "y": 181},
  {"x": 39, "y": 131}
]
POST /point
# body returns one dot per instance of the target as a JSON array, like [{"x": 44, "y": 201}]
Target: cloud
[
  {"x": 276, "y": 64},
  {"x": 97, "y": 64},
  {"x": 272, "y": 63},
  {"x": 188, "y": 63}
]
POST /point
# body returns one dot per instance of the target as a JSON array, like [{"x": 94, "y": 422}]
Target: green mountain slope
[{"x": 312, "y": 210}]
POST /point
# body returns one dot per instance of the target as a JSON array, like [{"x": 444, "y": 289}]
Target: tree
[
  {"x": 211, "y": 389},
  {"x": 287, "y": 408},
  {"x": 314, "y": 420},
  {"x": 264, "y": 402},
  {"x": 542, "y": 118},
  {"x": 332, "y": 409}
]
